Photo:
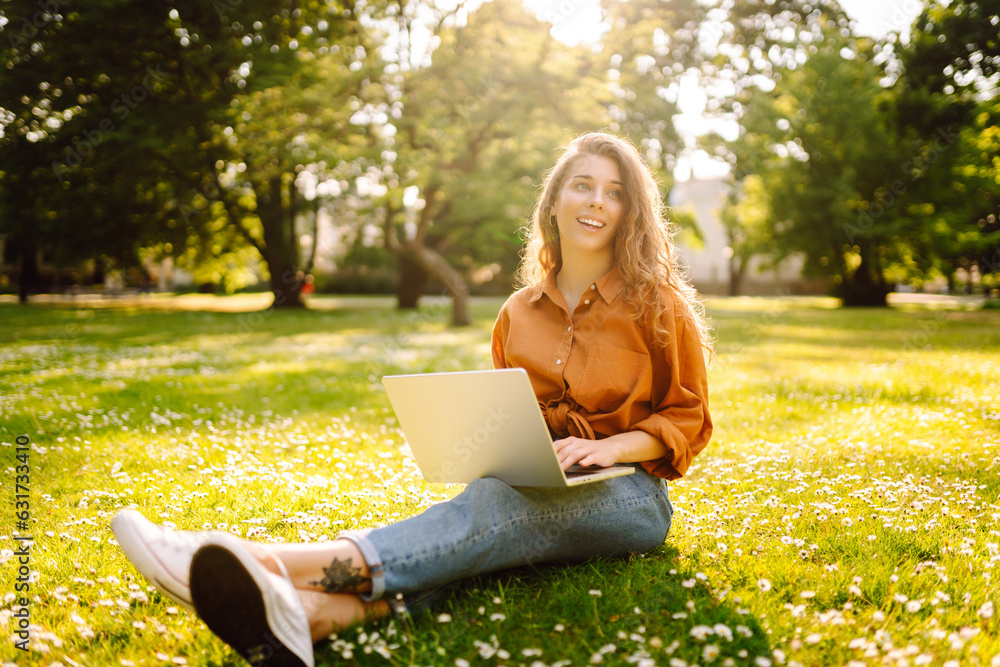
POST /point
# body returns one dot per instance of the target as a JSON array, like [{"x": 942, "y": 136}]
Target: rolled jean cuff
[{"x": 375, "y": 570}]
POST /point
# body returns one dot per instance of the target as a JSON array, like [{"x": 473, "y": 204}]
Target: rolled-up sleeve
[{"x": 680, "y": 418}]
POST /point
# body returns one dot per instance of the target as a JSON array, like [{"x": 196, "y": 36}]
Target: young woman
[{"x": 614, "y": 342}]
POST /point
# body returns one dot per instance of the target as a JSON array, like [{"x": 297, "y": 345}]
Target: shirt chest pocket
[{"x": 610, "y": 377}]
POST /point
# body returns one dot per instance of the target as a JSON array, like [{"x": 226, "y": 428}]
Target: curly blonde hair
[{"x": 644, "y": 248}]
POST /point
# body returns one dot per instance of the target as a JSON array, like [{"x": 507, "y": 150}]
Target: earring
[{"x": 552, "y": 220}]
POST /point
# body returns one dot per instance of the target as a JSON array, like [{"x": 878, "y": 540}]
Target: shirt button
[
  {"x": 569, "y": 328},
  {"x": 586, "y": 301},
  {"x": 558, "y": 361},
  {"x": 593, "y": 287}
]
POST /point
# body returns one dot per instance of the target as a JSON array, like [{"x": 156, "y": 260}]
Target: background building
[{"x": 709, "y": 260}]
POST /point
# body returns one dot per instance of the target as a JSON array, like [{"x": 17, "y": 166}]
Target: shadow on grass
[{"x": 643, "y": 611}]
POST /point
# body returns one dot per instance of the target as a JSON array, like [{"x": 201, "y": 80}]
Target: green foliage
[
  {"x": 481, "y": 117},
  {"x": 686, "y": 224},
  {"x": 881, "y": 178},
  {"x": 826, "y": 162},
  {"x": 480, "y": 123},
  {"x": 652, "y": 45},
  {"x": 746, "y": 215},
  {"x": 117, "y": 116},
  {"x": 948, "y": 107}
]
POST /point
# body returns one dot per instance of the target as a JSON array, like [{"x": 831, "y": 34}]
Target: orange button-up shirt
[{"x": 597, "y": 373}]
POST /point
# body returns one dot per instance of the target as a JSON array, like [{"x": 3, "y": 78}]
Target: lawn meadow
[{"x": 845, "y": 513}]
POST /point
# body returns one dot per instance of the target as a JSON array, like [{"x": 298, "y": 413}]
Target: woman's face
[{"x": 589, "y": 205}]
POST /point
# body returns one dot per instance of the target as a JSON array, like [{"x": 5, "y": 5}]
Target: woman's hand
[
  {"x": 619, "y": 448},
  {"x": 573, "y": 450}
]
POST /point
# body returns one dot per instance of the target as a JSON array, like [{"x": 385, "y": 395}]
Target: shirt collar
[
  {"x": 547, "y": 286},
  {"x": 610, "y": 286}
]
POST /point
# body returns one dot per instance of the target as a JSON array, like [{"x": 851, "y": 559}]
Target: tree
[
  {"x": 476, "y": 127},
  {"x": 69, "y": 110},
  {"x": 115, "y": 115},
  {"x": 280, "y": 137},
  {"x": 816, "y": 130},
  {"x": 898, "y": 163},
  {"x": 652, "y": 45},
  {"x": 480, "y": 122},
  {"x": 745, "y": 216},
  {"x": 948, "y": 109}
]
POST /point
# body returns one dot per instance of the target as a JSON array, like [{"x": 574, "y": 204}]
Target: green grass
[{"x": 846, "y": 510}]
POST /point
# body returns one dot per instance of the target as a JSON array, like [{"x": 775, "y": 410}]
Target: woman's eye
[
  {"x": 615, "y": 194},
  {"x": 582, "y": 186}
]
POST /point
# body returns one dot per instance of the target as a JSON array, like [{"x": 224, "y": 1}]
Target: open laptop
[{"x": 471, "y": 424}]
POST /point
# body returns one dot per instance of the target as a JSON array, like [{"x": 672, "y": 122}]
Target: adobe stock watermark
[
  {"x": 486, "y": 86},
  {"x": 534, "y": 547},
  {"x": 463, "y": 449},
  {"x": 920, "y": 340},
  {"x": 373, "y": 368},
  {"x": 212, "y": 191},
  {"x": 32, "y": 25},
  {"x": 88, "y": 140},
  {"x": 222, "y": 7},
  {"x": 755, "y": 162},
  {"x": 753, "y": 327},
  {"x": 902, "y": 16},
  {"x": 989, "y": 264},
  {"x": 564, "y": 10},
  {"x": 72, "y": 330},
  {"x": 886, "y": 199}
]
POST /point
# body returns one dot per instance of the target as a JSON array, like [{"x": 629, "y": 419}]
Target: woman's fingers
[
  {"x": 565, "y": 450},
  {"x": 577, "y": 450}
]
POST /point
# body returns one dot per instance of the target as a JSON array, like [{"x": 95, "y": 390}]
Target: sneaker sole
[
  {"x": 229, "y": 600},
  {"x": 144, "y": 560}
]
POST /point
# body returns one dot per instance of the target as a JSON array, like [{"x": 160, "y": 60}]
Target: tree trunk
[
  {"x": 863, "y": 288},
  {"x": 430, "y": 260},
  {"x": 97, "y": 277},
  {"x": 737, "y": 271},
  {"x": 281, "y": 249},
  {"x": 285, "y": 285},
  {"x": 436, "y": 265},
  {"x": 412, "y": 280},
  {"x": 28, "y": 279}
]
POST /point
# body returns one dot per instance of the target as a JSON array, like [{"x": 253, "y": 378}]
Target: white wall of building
[{"x": 709, "y": 265}]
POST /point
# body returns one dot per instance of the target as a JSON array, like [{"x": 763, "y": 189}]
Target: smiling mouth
[{"x": 590, "y": 222}]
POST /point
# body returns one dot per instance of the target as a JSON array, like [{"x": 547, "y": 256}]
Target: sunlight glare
[{"x": 574, "y": 22}]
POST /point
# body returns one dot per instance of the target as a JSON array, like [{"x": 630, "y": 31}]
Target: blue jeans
[{"x": 492, "y": 526}]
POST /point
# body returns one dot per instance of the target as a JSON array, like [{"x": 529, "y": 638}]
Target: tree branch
[{"x": 427, "y": 214}]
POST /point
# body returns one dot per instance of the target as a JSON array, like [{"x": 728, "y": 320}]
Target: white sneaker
[
  {"x": 160, "y": 554},
  {"x": 249, "y": 607}
]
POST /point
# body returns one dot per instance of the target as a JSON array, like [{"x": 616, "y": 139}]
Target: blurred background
[{"x": 397, "y": 147}]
